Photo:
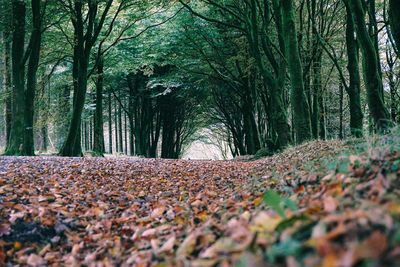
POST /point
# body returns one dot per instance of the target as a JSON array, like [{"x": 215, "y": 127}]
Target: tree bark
[
  {"x": 374, "y": 34},
  {"x": 316, "y": 91},
  {"x": 301, "y": 114},
  {"x": 33, "y": 64},
  {"x": 16, "y": 140},
  {"x": 354, "y": 88},
  {"x": 110, "y": 139},
  {"x": 120, "y": 130},
  {"x": 394, "y": 20},
  {"x": 44, "y": 139},
  {"x": 6, "y": 20},
  {"x": 392, "y": 83},
  {"x": 126, "y": 133},
  {"x": 372, "y": 78},
  {"x": 116, "y": 126},
  {"x": 98, "y": 142},
  {"x": 322, "y": 120},
  {"x": 280, "y": 132},
  {"x": 341, "y": 111}
]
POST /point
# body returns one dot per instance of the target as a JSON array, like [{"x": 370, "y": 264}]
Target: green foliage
[{"x": 279, "y": 203}]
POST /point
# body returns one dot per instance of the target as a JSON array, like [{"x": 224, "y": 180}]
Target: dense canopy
[{"x": 148, "y": 78}]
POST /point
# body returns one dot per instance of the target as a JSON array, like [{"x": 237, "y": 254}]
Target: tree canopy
[{"x": 147, "y": 77}]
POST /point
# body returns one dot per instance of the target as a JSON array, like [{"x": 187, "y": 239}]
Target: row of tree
[{"x": 264, "y": 73}]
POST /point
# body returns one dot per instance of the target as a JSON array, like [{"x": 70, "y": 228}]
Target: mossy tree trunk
[
  {"x": 16, "y": 139},
  {"x": 394, "y": 101},
  {"x": 33, "y": 64},
  {"x": 6, "y": 22},
  {"x": 301, "y": 113},
  {"x": 354, "y": 88},
  {"x": 280, "y": 132},
  {"x": 372, "y": 77},
  {"x": 394, "y": 20},
  {"x": 341, "y": 135}
]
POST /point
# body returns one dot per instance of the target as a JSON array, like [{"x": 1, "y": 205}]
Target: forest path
[{"x": 123, "y": 211}]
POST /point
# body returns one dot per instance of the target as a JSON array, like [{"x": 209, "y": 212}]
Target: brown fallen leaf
[
  {"x": 374, "y": 246},
  {"x": 157, "y": 212}
]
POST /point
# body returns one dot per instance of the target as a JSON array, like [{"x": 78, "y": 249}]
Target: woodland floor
[{"x": 325, "y": 203}]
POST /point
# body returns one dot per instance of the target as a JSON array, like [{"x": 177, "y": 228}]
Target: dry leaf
[
  {"x": 188, "y": 245},
  {"x": 35, "y": 260}
]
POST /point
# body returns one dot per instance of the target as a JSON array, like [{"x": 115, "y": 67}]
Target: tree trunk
[
  {"x": 91, "y": 132},
  {"x": 154, "y": 143},
  {"x": 33, "y": 64},
  {"x": 116, "y": 126},
  {"x": 372, "y": 78},
  {"x": 44, "y": 139},
  {"x": 15, "y": 145},
  {"x": 168, "y": 126},
  {"x": 354, "y": 88},
  {"x": 83, "y": 141},
  {"x": 86, "y": 32},
  {"x": 110, "y": 143},
  {"x": 72, "y": 145},
  {"x": 394, "y": 20},
  {"x": 120, "y": 130},
  {"x": 392, "y": 84},
  {"x": 6, "y": 13},
  {"x": 126, "y": 133},
  {"x": 301, "y": 114},
  {"x": 98, "y": 142},
  {"x": 251, "y": 135},
  {"x": 322, "y": 120},
  {"x": 85, "y": 135},
  {"x": 315, "y": 119},
  {"x": 64, "y": 112},
  {"x": 280, "y": 132},
  {"x": 374, "y": 34},
  {"x": 341, "y": 111}
]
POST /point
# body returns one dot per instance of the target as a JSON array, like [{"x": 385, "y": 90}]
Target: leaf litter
[{"x": 306, "y": 206}]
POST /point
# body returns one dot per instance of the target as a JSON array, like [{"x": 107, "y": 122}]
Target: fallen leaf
[
  {"x": 168, "y": 246},
  {"x": 35, "y": 260},
  {"x": 330, "y": 204},
  {"x": 188, "y": 245}
]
